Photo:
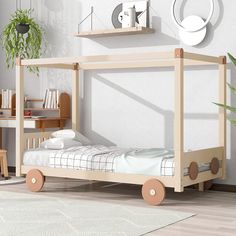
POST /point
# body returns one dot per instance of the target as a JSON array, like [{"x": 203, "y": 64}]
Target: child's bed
[
  {"x": 159, "y": 162},
  {"x": 176, "y": 169}
]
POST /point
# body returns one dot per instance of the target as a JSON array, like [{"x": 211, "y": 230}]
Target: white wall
[{"x": 134, "y": 107}]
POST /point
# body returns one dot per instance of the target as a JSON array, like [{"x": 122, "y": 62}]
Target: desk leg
[
  {"x": 5, "y": 165},
  {"x": 42, "y": 126},
  {"x": 1, "y": 164},
  {"x": 0, "y": 138}
]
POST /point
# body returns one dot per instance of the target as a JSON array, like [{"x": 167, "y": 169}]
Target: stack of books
[
  {"x": 6, "y": 98},
  {"x": 51, "y": 99}
]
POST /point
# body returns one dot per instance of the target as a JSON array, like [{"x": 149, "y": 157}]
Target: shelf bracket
[{"x": 91, "y": 19}]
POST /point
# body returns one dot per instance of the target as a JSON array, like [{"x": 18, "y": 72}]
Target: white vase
[{"x": 129, "y": 18}]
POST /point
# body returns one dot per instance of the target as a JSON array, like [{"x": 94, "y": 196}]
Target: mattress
[{"x": 114, "y": 161}]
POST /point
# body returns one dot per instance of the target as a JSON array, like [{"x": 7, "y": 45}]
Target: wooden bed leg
[
  {"x": 201, "y": 187},
  {"x": 206, "y": 186}
]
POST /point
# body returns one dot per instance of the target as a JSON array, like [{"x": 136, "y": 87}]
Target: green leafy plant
[
  {"x": 27, "y": 45},
  {"x": 233, "y": 90}
]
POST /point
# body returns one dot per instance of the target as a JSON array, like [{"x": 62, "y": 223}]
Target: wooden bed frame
[{"x": 153, "y": 186}]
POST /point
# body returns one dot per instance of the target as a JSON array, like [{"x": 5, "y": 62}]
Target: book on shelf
[
  {"x": 51, "y": 99},
  {"x": 6, "y": 98}
]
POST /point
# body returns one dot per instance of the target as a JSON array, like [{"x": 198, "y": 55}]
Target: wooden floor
[{"x": 216, "y": 211}]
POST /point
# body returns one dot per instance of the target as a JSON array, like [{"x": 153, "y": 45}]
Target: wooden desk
[{"x": 32, "y": 123}]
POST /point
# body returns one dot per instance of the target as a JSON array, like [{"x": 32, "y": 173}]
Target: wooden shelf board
[
  {"x": 115, "y": 32},
  {"x": 34, "y": 100},
  {"x": 41, "y": 109},
  {"x": 5, "y": 109},
  {"x": 30, "y": 118}
]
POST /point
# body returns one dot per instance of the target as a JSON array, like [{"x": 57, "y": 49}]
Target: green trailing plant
[
  {"x": 233, "y": 90},
  {"x": 15, "y": 44}
]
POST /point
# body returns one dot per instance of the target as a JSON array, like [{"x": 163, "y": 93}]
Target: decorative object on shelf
[
  {"x": 192, "y": 29},
  {"x": 28, "y": 113},
  {"x": 130, "y": 14},
  {"x": 233, "y": 90},
  {"x": 19, "y": 41},
  {"x": 6, "y": 98},
  {"x": 141, "y": 13},
  {"x": 117, "y": 16},
  {"x": 129, "y": 17}
]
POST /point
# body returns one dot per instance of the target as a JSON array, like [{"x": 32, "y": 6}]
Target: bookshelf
[
  {"x": 63, "y": 110},
  {"x": 39, "y": 117}
]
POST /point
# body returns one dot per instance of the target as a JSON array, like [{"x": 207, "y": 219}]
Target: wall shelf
[{"x": 115, "y": 32}]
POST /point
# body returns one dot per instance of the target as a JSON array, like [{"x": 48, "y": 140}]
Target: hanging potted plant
[
  {"x": 233, "y": 90},
  {"x": 22, "y": 37}
]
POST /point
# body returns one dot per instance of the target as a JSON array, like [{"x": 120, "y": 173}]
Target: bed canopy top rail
[
  {"x": 47, "y": 64},
  {"x": 123, "y": 61}
]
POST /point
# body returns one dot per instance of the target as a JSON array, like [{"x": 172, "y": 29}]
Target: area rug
[
  {"x": 33, "y": 214},
  {"x": 12, "y": 180}
]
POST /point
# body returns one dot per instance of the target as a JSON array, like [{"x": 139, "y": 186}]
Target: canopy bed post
[
  {"x": 75, "y": 98},
  {"x": 222, "y": 111},
  {"x": 19, "y": 115},
  {"x": 179, "y": 118}
]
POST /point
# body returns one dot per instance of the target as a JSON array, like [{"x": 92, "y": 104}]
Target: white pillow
[
  {"x": 72, "y": 134},
  {"x": 59, "y": 143}
]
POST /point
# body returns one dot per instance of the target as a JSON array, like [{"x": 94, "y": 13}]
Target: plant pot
[{"x": 22, "y": 28}]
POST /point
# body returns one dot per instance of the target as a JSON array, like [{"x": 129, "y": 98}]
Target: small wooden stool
[{"x": 3, "y": 163}]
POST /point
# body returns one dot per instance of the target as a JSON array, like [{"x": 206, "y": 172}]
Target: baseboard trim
[
  {"x": 215, "y": 187},
  {"x": 224, "y": 188}
]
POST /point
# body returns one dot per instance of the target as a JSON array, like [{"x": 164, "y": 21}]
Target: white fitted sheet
[
  {"x": 37, "y": 157},
  {"x": 41, "y": 157}
]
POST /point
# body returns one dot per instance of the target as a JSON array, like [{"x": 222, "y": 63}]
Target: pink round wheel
[
  {"x": 35, "y": 180},
  {"x": 153, "y": 192}
]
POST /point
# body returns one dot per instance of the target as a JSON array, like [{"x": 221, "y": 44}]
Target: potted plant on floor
[
  {"x": 233, "y": 90},
  {"x": 22, "y": 37}
]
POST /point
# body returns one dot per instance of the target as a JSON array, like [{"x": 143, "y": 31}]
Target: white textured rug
[
  {"x": 12, "y": 180},
  {"x": 37, "y": 215}
]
